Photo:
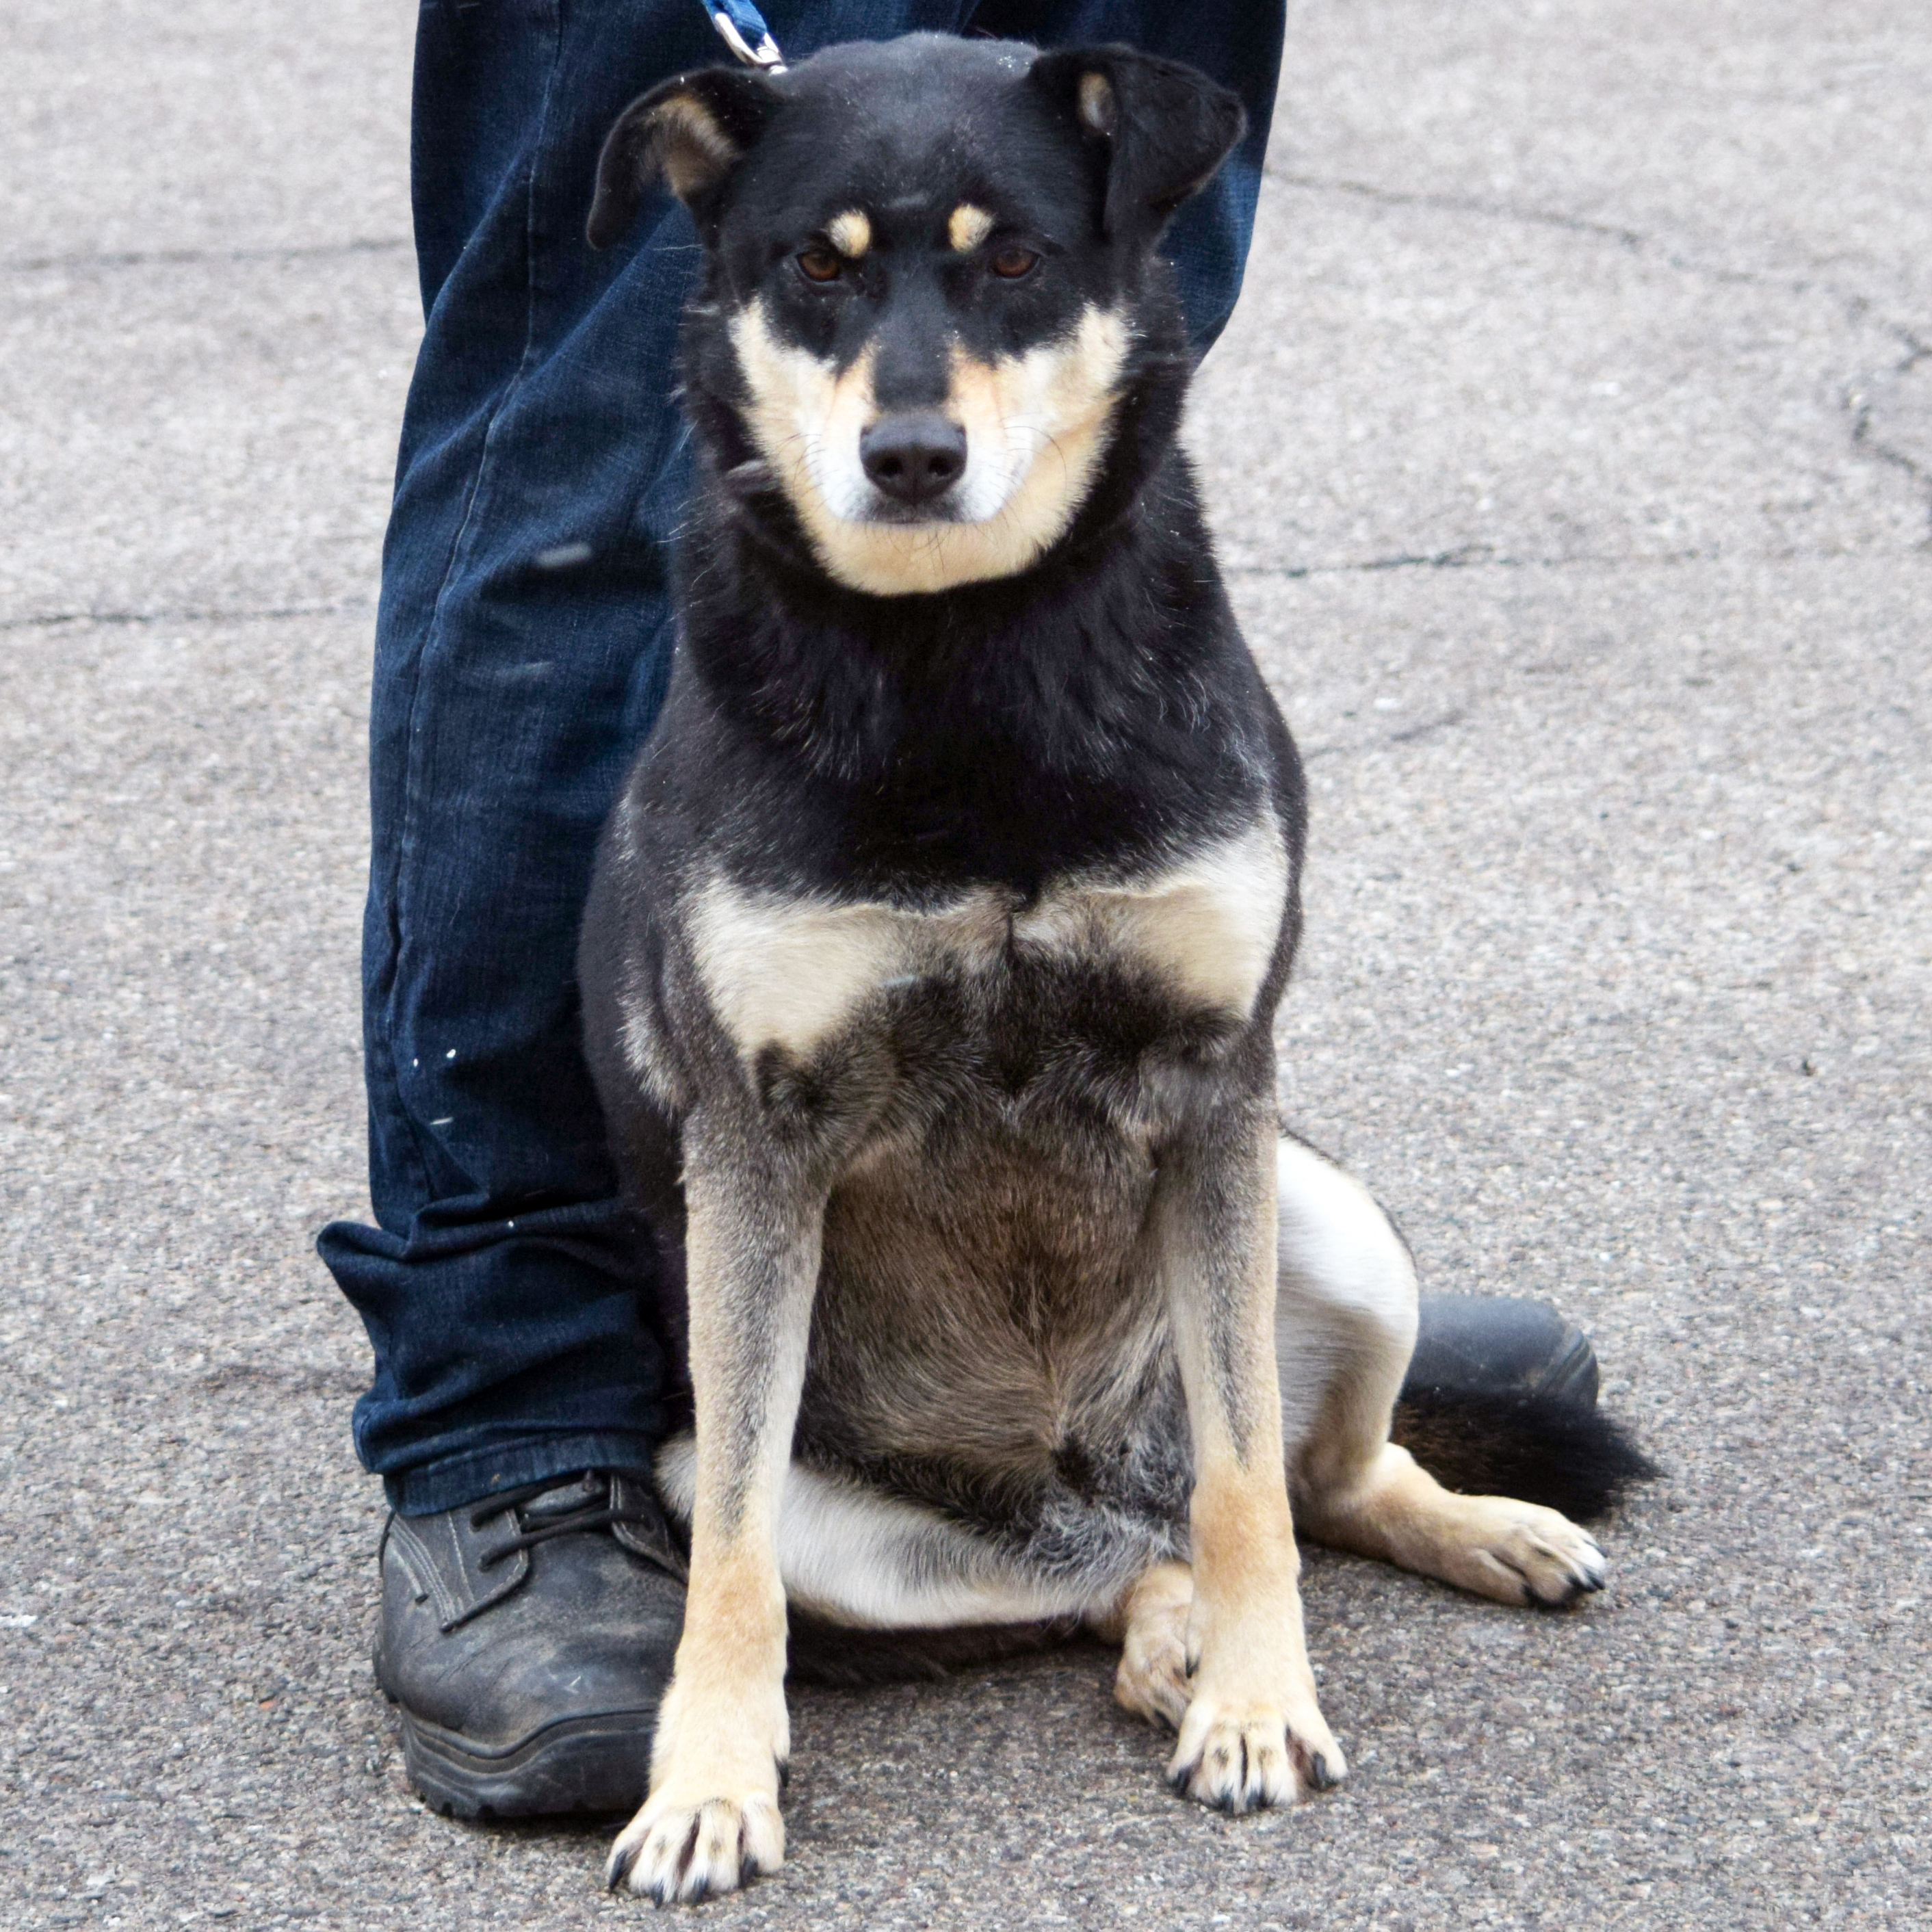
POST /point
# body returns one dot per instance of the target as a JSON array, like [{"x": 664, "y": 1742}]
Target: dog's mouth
[{"x": 911, "y": 516}]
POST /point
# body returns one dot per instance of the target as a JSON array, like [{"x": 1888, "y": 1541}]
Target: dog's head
[{"x": 932, "y": 281}]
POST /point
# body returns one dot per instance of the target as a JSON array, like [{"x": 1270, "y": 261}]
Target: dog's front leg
[
  {"x": 712, "y": 1823},
  {"x": 1253, "y": 1734}
]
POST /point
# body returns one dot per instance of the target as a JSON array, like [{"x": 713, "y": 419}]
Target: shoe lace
[{"x": 599, "y": 1509}]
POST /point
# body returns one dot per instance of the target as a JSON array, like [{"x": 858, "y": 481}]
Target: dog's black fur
[
  {"x": 1095, "y": 708},
  {"x": 1100, "y": 708},
  {"x": 1087, "y": 709}
]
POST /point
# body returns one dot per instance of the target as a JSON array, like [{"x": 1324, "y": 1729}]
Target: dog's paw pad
[
  {"x": 676, "y": 1854},
  {"x": 1244, "y": 1760}
]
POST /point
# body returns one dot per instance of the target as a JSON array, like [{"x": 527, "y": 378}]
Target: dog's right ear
[
  {"x": 1164, "y": 128},
  {"x": 690, "y": 133}
]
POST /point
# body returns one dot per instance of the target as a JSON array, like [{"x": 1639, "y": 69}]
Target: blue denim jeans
[{"x": 522, "y": 648}]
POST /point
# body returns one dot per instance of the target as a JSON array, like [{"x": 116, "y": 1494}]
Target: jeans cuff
[{"x": 480, "y": 1473}]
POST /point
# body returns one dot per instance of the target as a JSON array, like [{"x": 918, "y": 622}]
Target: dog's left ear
[
  {"x": 692, "y": 132},
  {"x": 1164, "y": 128}
]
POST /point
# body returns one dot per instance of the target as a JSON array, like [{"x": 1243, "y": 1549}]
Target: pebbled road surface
[{"x": 1573, "y": 454}]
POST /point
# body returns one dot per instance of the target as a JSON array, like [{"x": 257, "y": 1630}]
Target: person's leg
[
  {"x": 520, "y": 648},
  {"x": 529, "y": 1611},
  {"x": 521, "y": 645}
]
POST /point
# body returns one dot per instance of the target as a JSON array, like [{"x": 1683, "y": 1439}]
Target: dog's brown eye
[
  {"x": 1014, "y": 262},
  {"x": 819, "y": 265}
]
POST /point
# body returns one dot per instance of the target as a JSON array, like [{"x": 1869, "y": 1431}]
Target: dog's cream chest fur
[{"x": 788, "y": 972}]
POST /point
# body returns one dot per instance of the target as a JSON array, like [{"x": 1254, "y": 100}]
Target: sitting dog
[{"x": 934, "y": 946}]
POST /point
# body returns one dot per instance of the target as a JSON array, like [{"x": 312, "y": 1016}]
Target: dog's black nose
[{"x": 914, "y": 458}]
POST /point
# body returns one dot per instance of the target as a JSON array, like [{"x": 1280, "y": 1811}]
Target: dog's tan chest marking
[
  {"x": 789, "y": 972},
  {"x": 1208, "y": 925},
  {"x": 785, "y": 972}
]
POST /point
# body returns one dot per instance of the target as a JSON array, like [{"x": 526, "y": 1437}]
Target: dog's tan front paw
[
  {"x": 1240, "y": 1757},
  {"x": 1152, "y": 1680},
  {"x": 711, "y": 1823},
  {"x": 677, "y": 1853},
  {"x": 1522, "y": 1553}
]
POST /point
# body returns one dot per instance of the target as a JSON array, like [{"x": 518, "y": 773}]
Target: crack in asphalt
[
  {"x": 1458, "y": 204},
  {"x": 143, "y": 258},
  {"x": 1485, "y": 556},
  {"x": 50, "y": 620},
  {"x": 1858, "y": 308},
  {"x": 1635, "y": 241},
  {"x": 1858, "y": 405},
  {"x": 1410, "y": 733}
]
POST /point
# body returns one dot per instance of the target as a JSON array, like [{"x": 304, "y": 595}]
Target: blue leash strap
[{"x": 742, "y": 27}]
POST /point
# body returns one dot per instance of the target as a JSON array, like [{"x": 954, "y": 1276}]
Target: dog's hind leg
[
  {"x": 851, "y": 1555},
  {"x": 1345, "y": 1325},
  {"x": 752, "y": 1243}
]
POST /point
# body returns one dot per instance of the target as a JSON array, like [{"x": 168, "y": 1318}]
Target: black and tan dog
[{"x": 935, "y": 945}]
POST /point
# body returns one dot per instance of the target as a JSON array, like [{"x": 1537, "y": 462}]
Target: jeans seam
[{"x": 403, "y": 862}]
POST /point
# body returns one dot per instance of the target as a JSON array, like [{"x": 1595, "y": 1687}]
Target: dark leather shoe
[
  {"x": 528, "y": 1639},
  {"x": 1469, "y": 1345}
]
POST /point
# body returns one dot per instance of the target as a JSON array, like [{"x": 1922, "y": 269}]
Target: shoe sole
[{"x": 598, "y": 1764}]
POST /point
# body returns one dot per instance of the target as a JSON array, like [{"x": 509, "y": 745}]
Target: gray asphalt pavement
[{"x": 1572, "y": 451}]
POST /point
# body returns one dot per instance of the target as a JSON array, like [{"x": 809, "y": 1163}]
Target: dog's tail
[
  {"x": 1539, "y": 1447},
  {"x": 1501, "y": 1400}
]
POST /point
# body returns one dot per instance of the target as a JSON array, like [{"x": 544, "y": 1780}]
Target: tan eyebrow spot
[
  {"x": 850, "y": 233},
  {"x": 967, "y": 227}
]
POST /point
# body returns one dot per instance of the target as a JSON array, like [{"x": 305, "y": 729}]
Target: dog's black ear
[
  {"x": 1164, "y": 128},
  {"x": 690, "y": 132}
]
